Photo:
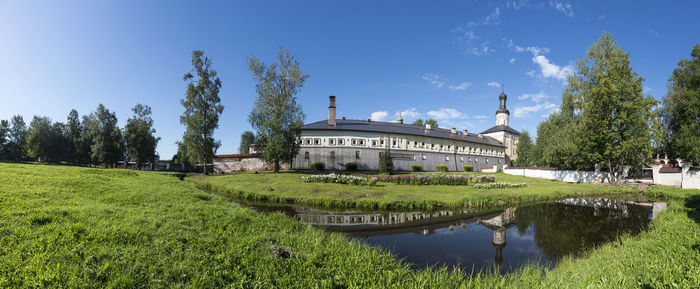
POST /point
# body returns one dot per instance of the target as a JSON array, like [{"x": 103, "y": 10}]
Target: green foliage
[
  {"x": 107, "y": 143},
  {"x": 74, "y": 134},
  {"x": 681, "y": 110},
  {"x": 433, "y": 123},
  {"x": 386, "y": 164},
  {"x": 138, "y": 134},
  {"x": 499, "y": 185},
  {"x": 39, "y": 138},
  {"x": 441, "y": 168},
  {"x": 4, "y": 139},
  {"x": 525, "y": 151},
  {"x": 416, "y": 168},
  {"x": 247, "y": 139},
  {"x": 318, "y": 166},
  {"x": 432, "y": 179},
  {"x": 202, "y": 110},
  {"x": 351, "y": 166},
  {"x": 276, "y": 116},
  {"x": 17, "y": 146},
  {"x": 468, "y": 168}
]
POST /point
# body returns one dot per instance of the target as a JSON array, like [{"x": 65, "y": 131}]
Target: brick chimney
[{"x": 331, "y": 111}]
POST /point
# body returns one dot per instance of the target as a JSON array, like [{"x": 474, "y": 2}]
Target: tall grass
[{"x": 68, "y": 227}]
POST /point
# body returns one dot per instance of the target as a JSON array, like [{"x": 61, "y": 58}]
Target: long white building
[{"x": 336, "y": 142}]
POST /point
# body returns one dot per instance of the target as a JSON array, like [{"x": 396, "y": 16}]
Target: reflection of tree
[{"x": 562, "y": 229}]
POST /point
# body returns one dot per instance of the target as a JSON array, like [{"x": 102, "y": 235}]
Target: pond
[{"x": 476, "y": 240}]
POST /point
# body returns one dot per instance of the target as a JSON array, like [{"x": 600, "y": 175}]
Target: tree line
[
  {"x": 606, "y": 119},
  {"x": 96, "y": 139}
]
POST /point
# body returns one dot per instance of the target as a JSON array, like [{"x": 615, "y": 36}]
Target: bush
[
  {"x": 416, "y": 168},
  {"x": 468, "y": 168},
  {"x": 432, "y": 179},
  {"x": 499, "y": 186},
  {"x": 318, "y": 166},
  {"x": 386, "y": 164},
  {"x": 441, "y": 168},
  {"x": 351, "y": 166}
]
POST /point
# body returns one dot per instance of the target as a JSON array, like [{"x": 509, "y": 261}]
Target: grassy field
[
  {"x": 288, "y": 188},
  {"x": 94, "y": 228}
]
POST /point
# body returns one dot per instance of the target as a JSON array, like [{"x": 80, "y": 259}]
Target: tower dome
[{"x": 502, "y": 113}]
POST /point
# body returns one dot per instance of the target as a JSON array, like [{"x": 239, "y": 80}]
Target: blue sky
[{"x": 440, "y": 59}]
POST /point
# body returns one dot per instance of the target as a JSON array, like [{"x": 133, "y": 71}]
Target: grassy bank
[
  {"x": 82, "y": 227},
  {"x": 288, "y": 188}
]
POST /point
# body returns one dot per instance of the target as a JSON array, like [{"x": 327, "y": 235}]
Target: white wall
[{"x": 560, "y": 175}]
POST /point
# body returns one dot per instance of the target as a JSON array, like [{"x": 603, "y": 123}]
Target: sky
[{"x": 447, "y": 60}]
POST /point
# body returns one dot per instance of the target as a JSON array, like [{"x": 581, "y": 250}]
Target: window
[
  {"x": 341, "y": 141},
  {"x": 461, "y": 159},
  {"x": 470, "y": 159},
  {"x": 381, "y": 142},
  {"x": 476, "y": 160},
  {"x": 499, "y": 161},
  {"x": 447, "y": 158},
  {"x": 308, "y": 141},
  {"x": 487, "y": 160},
  {"x": 331, "y": 141},
  {"x": 423, "y": 156},
  {"x": 354, "y": 142},
  {"x": 306, "y": 155},
  {"x": 362, "y": 142},
  {"x": 357, "y": 154},
  {"x": 374, "y": 143},
  {"x": 393, "y": 143},
  {"x": 317, "y": 141},
  {"x": 332, "y": 154}
]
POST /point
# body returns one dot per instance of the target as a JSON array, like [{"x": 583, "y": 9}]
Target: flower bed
[
  {"x": 499, "y": 186},
  {"x": 340, "y": 179},
  {"x": 420, "y": 180},
  {"x": 485, "y": 179}
]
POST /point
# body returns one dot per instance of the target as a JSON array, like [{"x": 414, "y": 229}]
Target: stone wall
[
  {"x": 559, "y": 175},
  {"x": 368, "y": 159},
  {"x": 686, "y": 177},
  {"x": 242, "y": 163}
]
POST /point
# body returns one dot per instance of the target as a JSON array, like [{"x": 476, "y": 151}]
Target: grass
[
  {"x": 288, "y": 188},
  {"x": 94, "y": 228}
]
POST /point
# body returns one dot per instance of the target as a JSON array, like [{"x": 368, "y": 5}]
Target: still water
[{"x": 476, "y": 240}]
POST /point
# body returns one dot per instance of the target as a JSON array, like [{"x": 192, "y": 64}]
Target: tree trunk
[
  {"x": 277, "y": 166},
  {"x": 205, "y": 165}
]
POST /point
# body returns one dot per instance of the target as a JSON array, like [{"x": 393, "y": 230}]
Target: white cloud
[
  {"x": 410, "y": 113},
  {"x": 494, "y": 84},
  {"x": 468, "y": 34},
  {"x": 548, "y": 69},
  {"x": 601, "y": 17},
  {"x": 461, "y": 86},
  {"x": 480, "y": 117},
  {"x": 647, "y": 89},
  {"x": 524, "y": 111},
  {"x": 516, "y": 4},
  {"x": 563, "y": 7},
  {"x": 379, "y": 115},
  {"x": 531, "y": 73},
  {"x": 450, "y": 117},
  {"x": 433, "y": 79},
  {"x": 536, "y": 97},
  {"x": 654, "y": 33},
  {"x": 512, "y": 60},
  {"x": 445, "y": 113}
]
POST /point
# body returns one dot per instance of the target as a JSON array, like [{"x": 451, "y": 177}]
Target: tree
[
  {"x": 419, "y": 122},
  {"x": 107, "y": 144},
  {"x": 247, "y": 139},
  {"x": 386, "y": 164},
  {"x": 138, "y": 134},
  {"x": 202, "y": 109},
  {"x": 59, "y": 146},
  {"x": 276, "y": 116},
  {"x": 4, "y": 139},
  {"x": 525, "y": 151},
  {"x": 74, "y": 134},
  {"x": 616, "y": 116},
  {"x": 39, "y": 137},
  {"x": 18, "y": 138},
  {"x": 681, "y": 109}
]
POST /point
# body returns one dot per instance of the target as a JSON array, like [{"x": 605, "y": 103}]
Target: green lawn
[
  {"x": 94, "y": 228},
  {"x": 288, "y": 188}
]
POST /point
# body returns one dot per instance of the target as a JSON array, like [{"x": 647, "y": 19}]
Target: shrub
[
  {"x": 485, "y": 179},
  {"x": 441, "y": 168},
  {"x": 499, "y": 186},
  {"x": 386, "y": 164},
  {"x": 416, "y": 168},
  {"x": 351, "y": 166},
  {"x": 318, "y": 166},
  {"x": 468, "y": 168}
]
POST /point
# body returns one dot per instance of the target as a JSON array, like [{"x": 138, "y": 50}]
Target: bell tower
[{"x": 502, "y": 113}]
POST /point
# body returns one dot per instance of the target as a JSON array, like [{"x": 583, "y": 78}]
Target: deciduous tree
[
  {"x": 247, "y": 139},
  {"x": 39, "y": 137},
  {"x": 202, "y": 109},
  {"x": 107, "y": 144},
  {"x": 276, "y": 116},
  {"x": 138, "y": 134},
  {"x": 18, "y": 138},
  {"x": 525, "y": 150},
  {"x": 681, "y": 109}
]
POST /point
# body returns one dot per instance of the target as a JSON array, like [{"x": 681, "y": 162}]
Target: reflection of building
[
  {"x": 499, "y": 224},
  {"x": 373, "y": 219},
  {"x": 618, "y": 206}
]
